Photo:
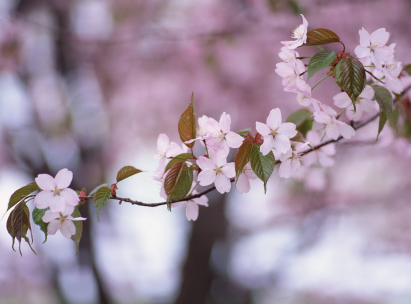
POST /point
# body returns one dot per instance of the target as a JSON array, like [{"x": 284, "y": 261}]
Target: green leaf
[
  {"x": 21, "y": 193},
  {"x": 262, "y": 165},
  {"x": 320, "y": 61},
  {"x": 384, "y": 99},
  {"x": 407, "y": 68},
  {"x": 98, "y": 187},
  {"x": 178, "y": 182},
  {"x": 381, "y": 122},
  {"x": 126, "y": 172},
  {"x": 303, "y": 120},
  {"x": 101, "y": 198},
  {"x": 350, "y": 76},
  {"x": 79, "y": 229},
  {"x": 187, "y": 124},
  {"x": 38, "y": 220},
  {"x": 321, "y": 36},
  {"x": 178, "y": 158},
  {"x": 393, "y": 119},
  {"x": 243, "y": 156},
  {"x": 18, "y": 225}
]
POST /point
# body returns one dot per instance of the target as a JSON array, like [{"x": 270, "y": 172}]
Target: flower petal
[
  {"x": 50, "y": 216},
  {"x": 43, "y": 199},
  {"x": 274, "y": 119},
  {"x": 267, "y": 145},
  {"x": 285, "y": 169},
  {"x": 63, "y": 178},
  {"x": 53, "y": 226},
  {"x": 281, "y": 143},
  {"x": 70, "y": 197},
  {"x": 342, "y": 100},
  {"x": 225, "y": 122},
  {"x": 287, "y": 129},
  {"x": 192, "y": 211},
  {"x": 67, "y": 229},
  {"x": 243, "y": 184},
  {"x": 206, "y": 177},
  {"x": 45, "y": 182},
  {"x": 263, "y": 129},
  {"x": 205, "y": 163},
  {"x": 228, "y": 170},
  {"x": 234, "y": 140},
  {"x": 222, "y": 183},
  {"x": 57, "y": 204}
]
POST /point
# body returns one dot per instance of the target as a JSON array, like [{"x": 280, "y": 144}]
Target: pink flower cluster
[
  {"x": 373, "y": 52},
  {"x": 59, "y": 200}
]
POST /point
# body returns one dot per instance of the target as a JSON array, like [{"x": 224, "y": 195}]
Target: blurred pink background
[{"x": 89, "y": 84}]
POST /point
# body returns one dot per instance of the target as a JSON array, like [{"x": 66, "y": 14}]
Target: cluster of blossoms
[
  {"x": 59, "y": 200},
  {"x": 291, "y": 148}
]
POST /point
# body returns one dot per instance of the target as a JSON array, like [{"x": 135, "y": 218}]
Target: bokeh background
[{"x": 89, "y": 84}]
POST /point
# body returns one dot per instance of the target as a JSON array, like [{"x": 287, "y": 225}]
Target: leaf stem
[
  {"x": 339, "y": 115},
  {"x": 205, "y": 144},
  {"x": 193, "y": 189},
  {"x": 320, "y": 81}
]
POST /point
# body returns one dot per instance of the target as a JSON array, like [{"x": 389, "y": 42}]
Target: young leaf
[
  {"x": 407, "y": 68},
  {"x": 320, "y": 61},
  {"x": 303, "y": 120},
  {"x": 187, "y": 124},
  {"x": 242, "y": 157},
  {"x": 79, "y": 229},
  {"x": 178, "y": 181},
  {"x": 178, "y": 158},
  {"x": 21, "y": 193},
  {"x": 101, "y": 198},
  {"x": 38, "y": 219},
  {"x": 244, "y": 132},
  {"x": 262, "y": 165},
  {"x": 98, "y": 187},
  {"x": 350, "y": 76},
  {"x": 126, "y": 172},
  {"x": 383, "y": 98},
  {"x": 321, "y": 36},
  {"x": 18, "y": 224}
]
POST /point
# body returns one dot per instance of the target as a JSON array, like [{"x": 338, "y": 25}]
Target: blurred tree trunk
[{"x": 198, "y": 274}]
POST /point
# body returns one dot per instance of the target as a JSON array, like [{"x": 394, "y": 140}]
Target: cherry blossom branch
[{"x": 194, "y": 196}]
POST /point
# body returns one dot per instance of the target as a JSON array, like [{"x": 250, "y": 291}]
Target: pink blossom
[
  {"x": 390, "y": 73},
  {"x": 55, "y": 193},
  {"x": 217, "y": 171},
  {"x": 300, "y": 33},
  {"x": 243, "y": 181},
  {"x": 221, "y": 137},
  {"x": 288, "y": 55},
  {"x": 362, "y": 104},
  {"x": 291, "y": 161},
  {"x": 192, "y": 206},
  {"x": 322, "y": 155},
  {"x": 333, "y": 127},
  {"x": 61, "y": 220},
  {"x": 276, "y": 134},
  {"x": 290, "y": 72},
  {"x": 165, "y": 148},
  {"x": 373, "y": 46}
]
